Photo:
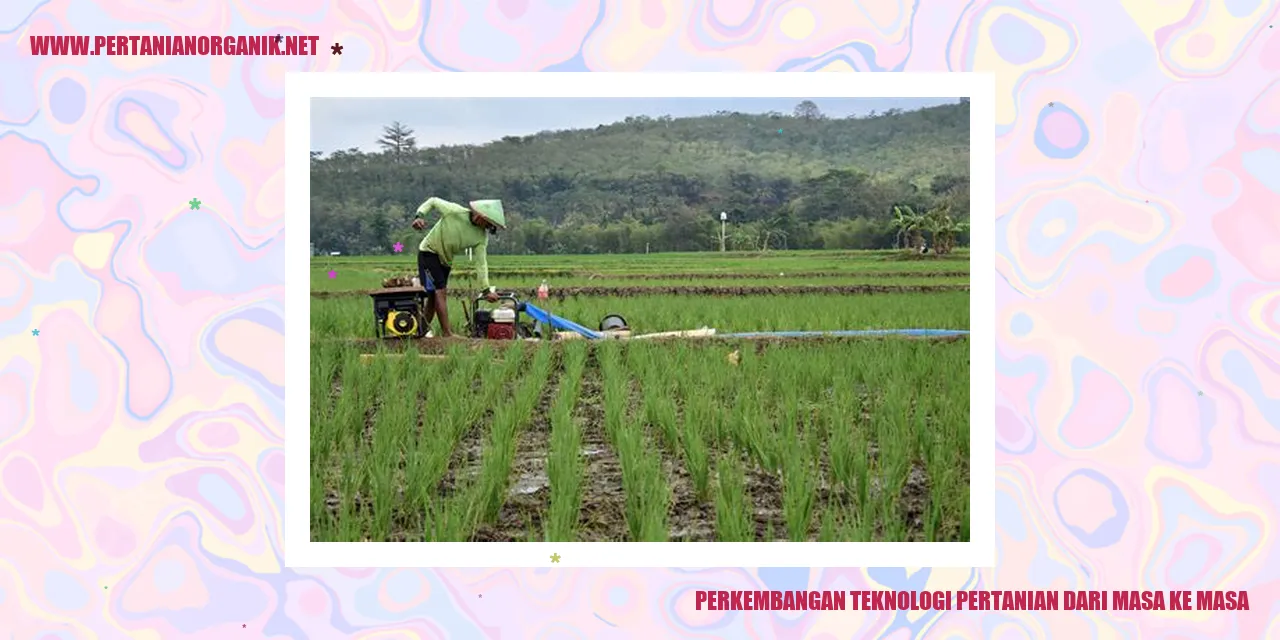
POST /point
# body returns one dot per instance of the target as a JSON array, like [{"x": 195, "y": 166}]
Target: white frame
[{"x": 300, "y": 551}]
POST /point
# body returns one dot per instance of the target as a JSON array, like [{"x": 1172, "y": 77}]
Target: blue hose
[
  {"x": 546, "y": 317},
  {"x": 931, "y": 333}
]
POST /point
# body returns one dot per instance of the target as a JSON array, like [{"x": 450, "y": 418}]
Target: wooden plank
[{"x": 395, "y": 290}]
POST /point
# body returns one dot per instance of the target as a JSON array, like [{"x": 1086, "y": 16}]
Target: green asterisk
[
  {"x": 35, "y": 332},
  {"x": 195, "y": 203}
]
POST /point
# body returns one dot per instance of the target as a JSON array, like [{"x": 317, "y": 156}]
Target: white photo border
[{"x": 301, "y": 88}]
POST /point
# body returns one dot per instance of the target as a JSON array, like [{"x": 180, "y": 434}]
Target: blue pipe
[
  {"x": 545, "y": 317},
  {"x": 931, "y": 333}
]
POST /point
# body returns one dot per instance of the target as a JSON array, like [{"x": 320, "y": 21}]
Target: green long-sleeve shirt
[{"x": 453, "y": 234}]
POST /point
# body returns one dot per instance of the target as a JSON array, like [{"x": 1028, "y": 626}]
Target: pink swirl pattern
[{"x": 1138, "y": 408}]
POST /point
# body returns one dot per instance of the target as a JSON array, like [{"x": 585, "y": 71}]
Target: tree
[
  {"x": 535, "y": 235},
  {"x": 773, "y": 234},
  {"x": 944, "y": 228},
  {"x": 398, "y": 141},
  {"x": 945, "y": 183},
  {"x": 808, "y": 110},
  {"x": 908, "y": 224},
  {"x": 376, "y": 233}
]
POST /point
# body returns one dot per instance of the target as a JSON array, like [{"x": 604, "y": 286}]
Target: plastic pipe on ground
[
  {"x": 545, "y": 317},
  {"x": 932, "y": 333}
]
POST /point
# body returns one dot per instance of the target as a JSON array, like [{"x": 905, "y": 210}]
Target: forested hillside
[{"x": 787, "y": 181}]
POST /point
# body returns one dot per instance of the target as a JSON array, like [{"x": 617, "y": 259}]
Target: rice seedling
[
  {"x": 894, "y": 459},
  {"x": 508, "y": 418},
  {"x": 646, "y": 492},
  {"x": 843, "y": 431},
  {"x": 468, "y": 505},
  {"x": 696, "y": 455},
  {"x": 733, "y": 513},
  {"x": 565, "y": 465},
  {"x": 798, "y": 482},
  {"x": 659, "y": 407}
]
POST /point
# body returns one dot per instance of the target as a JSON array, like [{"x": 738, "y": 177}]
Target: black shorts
[{"x": 432, "y": 273}]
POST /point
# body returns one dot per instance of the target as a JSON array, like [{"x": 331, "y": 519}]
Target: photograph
[{"x": 684, "y": 319}]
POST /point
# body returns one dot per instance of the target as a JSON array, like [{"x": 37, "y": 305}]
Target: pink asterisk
[
  {"x": 399, "y": 246},
  {"x": 333, "y": 274}
]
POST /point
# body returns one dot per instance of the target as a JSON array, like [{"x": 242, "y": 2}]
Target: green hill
[{"x": 797, "y": 181}]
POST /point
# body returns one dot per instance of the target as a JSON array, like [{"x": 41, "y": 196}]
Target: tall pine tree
[{"x": 398, "y": 141}]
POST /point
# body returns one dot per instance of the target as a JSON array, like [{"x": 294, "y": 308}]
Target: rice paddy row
[
  {"x": 696, "y": 441},
  {"x": 352, "y": 317}
]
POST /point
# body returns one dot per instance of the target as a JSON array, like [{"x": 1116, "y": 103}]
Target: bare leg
[
  {"x": 428, "y": 311},
  {"x": 442, "y": 310}
]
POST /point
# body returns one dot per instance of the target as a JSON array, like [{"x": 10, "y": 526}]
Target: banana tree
[
  {"x": 908, "y": 224},
  {"x": 945, "y": 229}
]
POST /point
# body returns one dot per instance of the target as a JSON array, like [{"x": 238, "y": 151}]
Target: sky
[{"x": 343, "y": 123}]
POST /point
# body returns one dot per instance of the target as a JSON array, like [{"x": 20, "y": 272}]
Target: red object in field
[
  {"x": 542, "y": 291},
  {"x": 497, "y": 331}
]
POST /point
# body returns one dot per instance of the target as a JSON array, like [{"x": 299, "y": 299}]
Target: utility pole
[{"x": 724, "y": 217}]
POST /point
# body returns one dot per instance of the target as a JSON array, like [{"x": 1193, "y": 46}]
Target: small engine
[
  {"x": 501, "y": 321},
  {"x": 502, "y": 324},
  {"x": 401, "y": 324},
  {"x": 396, "y": 313}
]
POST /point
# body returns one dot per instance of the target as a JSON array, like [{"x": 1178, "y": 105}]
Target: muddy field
[
  {"x": 689, "y": 519},
  {"x": 917, "y": 486}
]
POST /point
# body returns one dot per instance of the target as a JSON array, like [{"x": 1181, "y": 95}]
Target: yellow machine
[
  {"x": 401, "y": 324},
  {"x": 397, "y": 312}
]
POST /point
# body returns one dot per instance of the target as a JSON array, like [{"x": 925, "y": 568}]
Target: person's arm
[
  {"x": 481, "y": 258},
  {"x": 445, "y": 208}
]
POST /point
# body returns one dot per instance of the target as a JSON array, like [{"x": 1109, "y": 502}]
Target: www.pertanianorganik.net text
[{"x": 262, "y": 45}]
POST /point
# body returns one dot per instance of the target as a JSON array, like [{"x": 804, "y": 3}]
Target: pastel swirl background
[{"x": 1138, "y": 231}]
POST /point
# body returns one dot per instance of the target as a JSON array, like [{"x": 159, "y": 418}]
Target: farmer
[{"x": 459, "y": 228}]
